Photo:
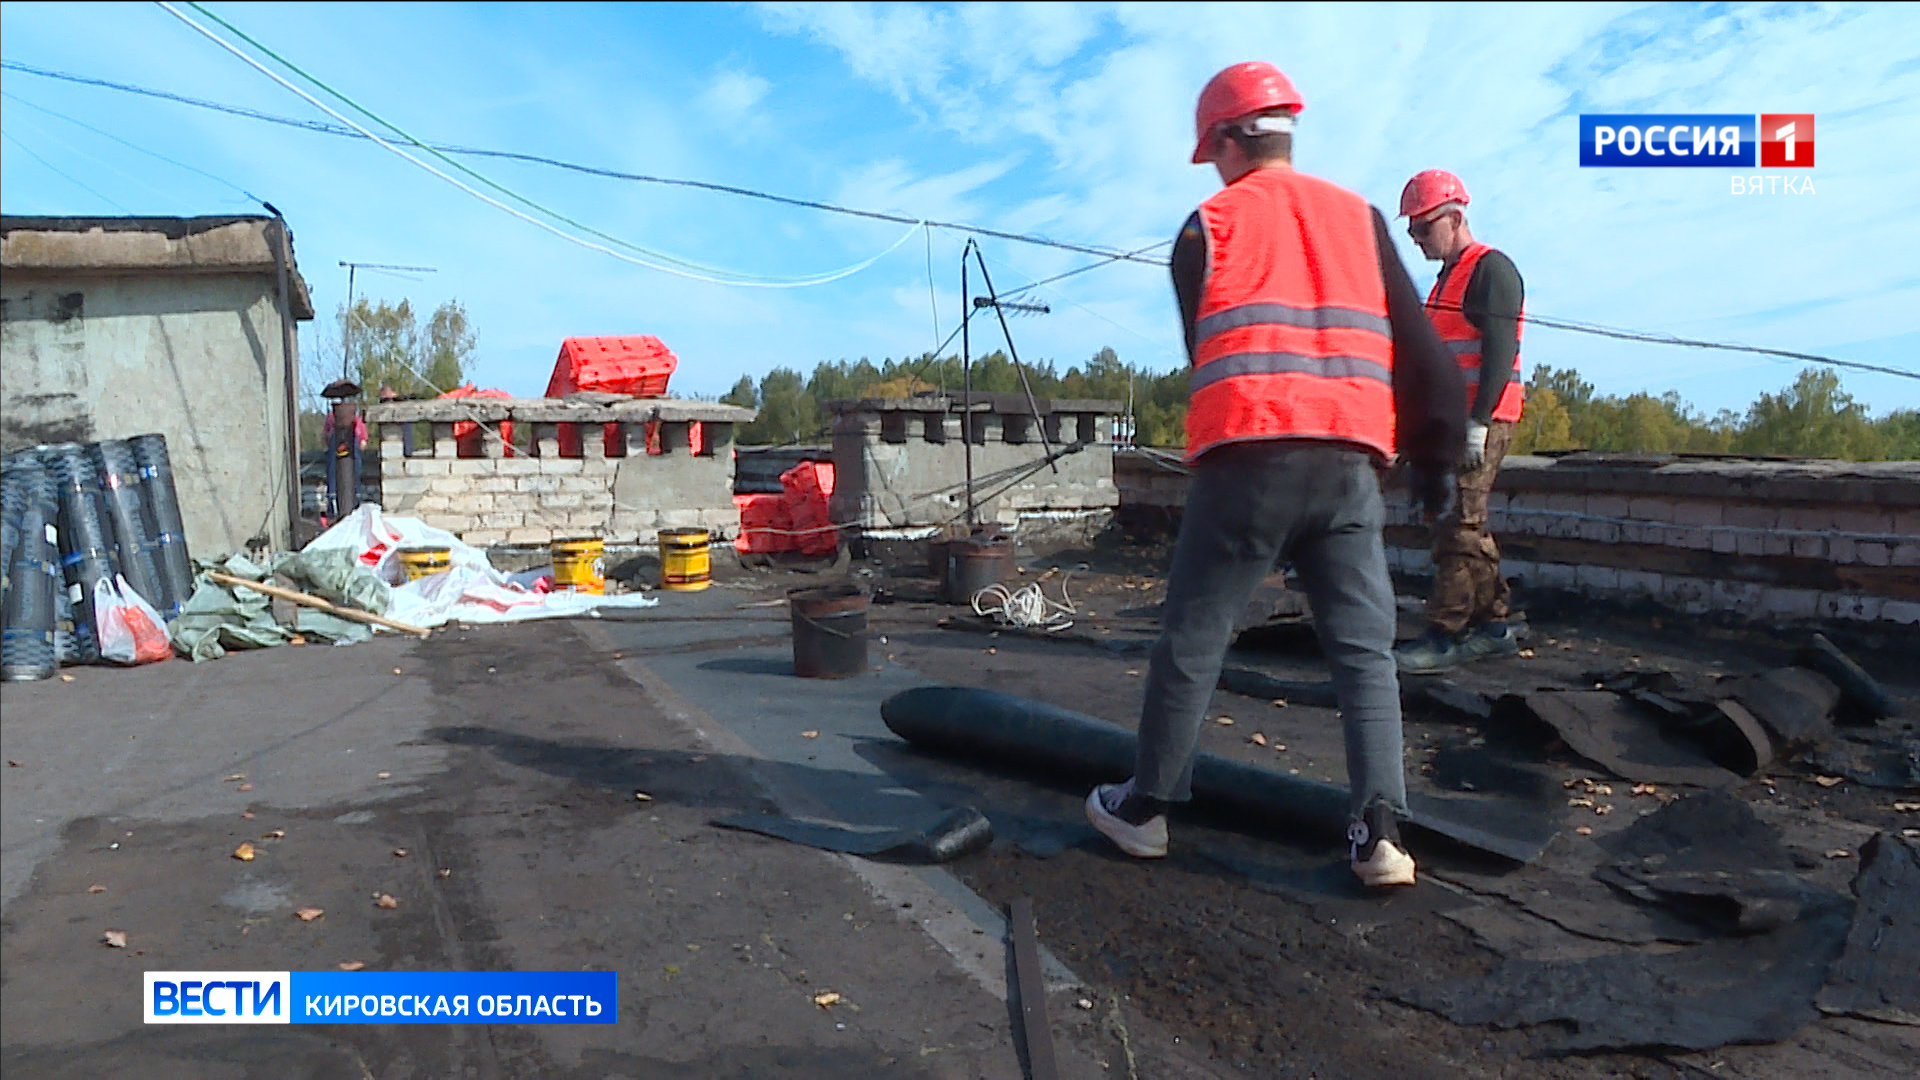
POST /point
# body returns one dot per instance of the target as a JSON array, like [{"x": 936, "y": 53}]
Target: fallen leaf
[
  {"x": 826, "y": 999},
  {"x": 396, "y": 671},
  {"x": 1280, "y": 703},
  {"x": 235, "y": 778},
  {"x": 1279, "y": 747},
  {"x": 248, "y": 814},
  {"x": 642, "y": 796},
  {"x": 244, "y": 787},
  {"x": 385, "y": 901},
  {"x": 276, "y": 834},
  {"x": 297, "y": 639},
  {"x": 1603, "y": 789},
  {"x": 1911, "y": 834},
  {"x": 65, "y": 677},
  {"x": 1526, "y": 654},
  {"x": 96, "y": 888},
  {"x": 1580, "y": 802},
  {"x": 308, "y": 914},
  {"x": 991, "y": 650},
  {"x": 697, "y": 758},
  {"x": 399, "y": 853},
  {"x": 672, "y": 969},
  {"x": 244, "y": 852},
  {"x": 809, "y": 734},
  {"x": 1603, "y": 809},
  {"x": 446, "y": 871},
  {"x": 1223, "y": 721},
  {"x": 1133, "y": 671},
  {"x": 383, "y": 776},
  {"x": 1584, "y": 830},
  {"x": 114, "y": 939},
  {"x": 619, "y": 656},
  {"x": 1840, "y": 853},
  {"x": 351, "y": 965},
  {"x": 1257, "y": 739},
  {"x": 1829, "y": 781},
  {"x": 1907, "y": 807}
]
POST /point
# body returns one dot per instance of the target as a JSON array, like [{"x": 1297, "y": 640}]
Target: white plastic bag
[{"x": 131, "y": 631}]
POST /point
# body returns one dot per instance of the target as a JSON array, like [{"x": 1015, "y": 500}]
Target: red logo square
[{"x": 1786, "y": 140}]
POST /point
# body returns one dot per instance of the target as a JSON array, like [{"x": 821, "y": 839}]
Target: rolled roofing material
[{"x": 1013, "y": 731}]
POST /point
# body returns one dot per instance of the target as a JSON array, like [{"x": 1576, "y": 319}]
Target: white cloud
[{"x": 734, "y": 94}]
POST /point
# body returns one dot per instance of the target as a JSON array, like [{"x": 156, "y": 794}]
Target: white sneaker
[
  {"x": 1144, "y": 841},
  {"x": 1375, "y": 854}
]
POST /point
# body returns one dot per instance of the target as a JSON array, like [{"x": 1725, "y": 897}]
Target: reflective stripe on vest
[
  {"x": 1462, "y": 338},
  {"x": 1292, "y": 338}
]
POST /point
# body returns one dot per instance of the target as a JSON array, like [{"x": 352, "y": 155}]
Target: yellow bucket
[
  {"x": 685, "y": 564},
  {"x": 580, "y": 565},
  {"x": 422, "y": 562}
]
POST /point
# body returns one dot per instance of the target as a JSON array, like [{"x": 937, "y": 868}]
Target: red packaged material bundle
[
  {"x": 466, "y": 433},
  {"x": 638, "y": 365},
  {"x": 797, "y": 519}
]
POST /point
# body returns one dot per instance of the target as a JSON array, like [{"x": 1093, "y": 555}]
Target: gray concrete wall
[
  {"x": 892, "y": 473},
  {"x": 197, "y": 358}
]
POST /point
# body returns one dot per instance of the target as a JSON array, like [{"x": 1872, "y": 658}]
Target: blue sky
[{"x": 1072, "y": 121}]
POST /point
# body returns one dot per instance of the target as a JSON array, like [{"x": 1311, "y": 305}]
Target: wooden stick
[{"x": 315, "y": 602}]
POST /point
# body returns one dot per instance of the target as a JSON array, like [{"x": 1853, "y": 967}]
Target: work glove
[
  {"x": 1433, "y": 489},
  {"x": 1476, "y": 453}
]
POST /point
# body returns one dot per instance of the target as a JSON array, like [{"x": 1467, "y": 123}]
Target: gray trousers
[{"x": 1250, "y": 506}]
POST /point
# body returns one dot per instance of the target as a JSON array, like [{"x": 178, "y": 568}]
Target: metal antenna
[
  {"x": 346, "y": 333},
  {"x": 966, "y": 381},
  {"x": 1000, "y": 309}
]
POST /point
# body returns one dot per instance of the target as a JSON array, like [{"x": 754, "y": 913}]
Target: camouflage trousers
[{"x": 1467, "y": 587}]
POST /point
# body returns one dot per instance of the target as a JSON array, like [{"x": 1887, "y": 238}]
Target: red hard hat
[
  {"x": 1241, "y": 90},
  {"x": 1435, "y": 187}
]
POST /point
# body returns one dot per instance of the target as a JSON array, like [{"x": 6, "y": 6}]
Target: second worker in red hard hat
[
  {"x": 1477, "y": 306},
  {"x": 1312, "y": 362}
]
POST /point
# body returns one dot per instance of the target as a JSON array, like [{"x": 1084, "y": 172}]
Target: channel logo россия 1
[{"x": 1707, "y": 140}]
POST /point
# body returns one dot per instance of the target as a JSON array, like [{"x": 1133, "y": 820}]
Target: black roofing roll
[
  {"x": 162, "y": 501},
  {"x": 86, "y": 544},
  {"x": 26, "y": 631},
  {"x": 13, "y": 501},
  {"x": 126, "y": 518}
]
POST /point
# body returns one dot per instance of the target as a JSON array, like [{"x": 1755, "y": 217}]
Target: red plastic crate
[
  {"x": 466, "y": 433},
  {"x": 639, "y": 365}
]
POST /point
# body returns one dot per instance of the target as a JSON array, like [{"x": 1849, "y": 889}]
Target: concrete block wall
[
  {"x": 536, "y": 498},
  {"x": 1772, "y": 541},
  {"x": 900, "y": 466}
]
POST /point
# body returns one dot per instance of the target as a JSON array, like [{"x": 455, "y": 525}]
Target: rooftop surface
[{"x": 507, "y": 765}]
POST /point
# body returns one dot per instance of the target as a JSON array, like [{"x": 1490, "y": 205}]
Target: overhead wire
[
  {"x": 63, "y": 174},
  {"x": 821, "y": 279},
  {"x": 132, "y": 145},
  {"x": 1107, "y": 255}
]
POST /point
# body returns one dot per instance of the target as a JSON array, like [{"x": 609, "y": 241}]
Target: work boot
[
  {"x": 1492, "y": 639},
  {"x": 1433, "y": 652},
  {"x": 1137, "y": 823},
  {"x": 1374, "y": 850}
]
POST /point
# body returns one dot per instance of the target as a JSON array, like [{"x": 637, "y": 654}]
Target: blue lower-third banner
[{"x": 382, "y": 997}]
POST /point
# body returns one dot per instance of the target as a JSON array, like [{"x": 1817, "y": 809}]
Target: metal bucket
[
  {"x": 686, "y": 561},
  {"x": 829, "y": 630},
  {"x": 973, "y": 563},
  {"x": 425, "y": 561},
  {"x": 580, "y": 565}
]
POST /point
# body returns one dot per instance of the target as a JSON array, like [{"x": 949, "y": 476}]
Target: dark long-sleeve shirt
[
  {"x": 1492, "y": 304},
  {"x": 1428, "y": 398}
]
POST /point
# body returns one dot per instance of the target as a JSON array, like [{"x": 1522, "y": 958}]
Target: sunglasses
[{"x": 1418, "y": 229}]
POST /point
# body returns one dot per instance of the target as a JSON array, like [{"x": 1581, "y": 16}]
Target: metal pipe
[
  {"x": 290, "y": 368},
  {"x": 966, "y": 382}
]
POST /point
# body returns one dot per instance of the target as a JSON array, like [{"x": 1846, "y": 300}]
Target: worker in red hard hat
[
  {"x": 1313, "y": 365},
  {"x": 1477, "y": 306}
]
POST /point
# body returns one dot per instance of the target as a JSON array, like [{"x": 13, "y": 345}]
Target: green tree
[
  {"x": 1812, "y": 418},
  {"x": 1900, "y": 434},
  {"x": 787, "y": 411},
  {"x": 387, "y": 345},
  {"x": 742, "y": 394},
  {"x": 1544, "y": 425}
]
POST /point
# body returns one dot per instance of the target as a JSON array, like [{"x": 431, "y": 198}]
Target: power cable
[
  {"x": 384, "y": 144},
  {"x": 322, "y": 128},
  {"x": 63, "y": 174},
  {"x": 1107, "y": 255},
  {"x": 133, "y": 146}
]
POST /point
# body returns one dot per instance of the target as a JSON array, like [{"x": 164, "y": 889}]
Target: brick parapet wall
[
  {"x": 533, "y": 499},
  {"x": 1772, "y": 541}
]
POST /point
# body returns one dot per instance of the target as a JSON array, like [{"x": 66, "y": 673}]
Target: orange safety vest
[
  {"x": 1444, "y": 305},
  {"x": 1291, "y": 339}
]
